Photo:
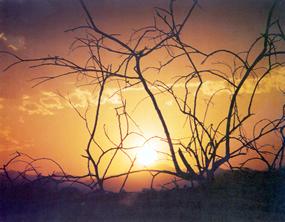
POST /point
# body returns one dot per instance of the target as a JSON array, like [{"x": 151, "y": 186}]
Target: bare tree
[
  {"x": 210, "y": 143},
  {"x": 268, "y": 153},
  {"x": 96, "y": 172}
]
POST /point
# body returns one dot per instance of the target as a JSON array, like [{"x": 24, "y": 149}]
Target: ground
[{"x": 233, "y": 196}]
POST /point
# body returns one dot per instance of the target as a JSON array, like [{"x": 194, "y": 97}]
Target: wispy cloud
[
  {"x": 274, "y": 81},
  {"x": 9, "y": 143},
  {"x": 51, "y": 101},
  {"x": 82, "y": 98},
  {"x": 14, "y": 43},
  {"x": 34, "y": 108},
  {"x": 47, "y": 103}
]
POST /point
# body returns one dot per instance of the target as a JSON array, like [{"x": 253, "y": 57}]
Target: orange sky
[{"x": 38, "y": 122}]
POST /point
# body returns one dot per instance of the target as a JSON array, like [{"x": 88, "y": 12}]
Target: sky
[{"x": 37, "y": 121}]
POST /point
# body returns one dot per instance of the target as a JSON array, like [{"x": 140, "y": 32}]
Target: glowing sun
[{"x": 147, "y": 155}]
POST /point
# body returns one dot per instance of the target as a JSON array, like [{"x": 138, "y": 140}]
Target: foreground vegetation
[{"x": 233, "y": 196}]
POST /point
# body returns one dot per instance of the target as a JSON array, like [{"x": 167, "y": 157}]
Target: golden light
[{"x": 147, "y": 155}]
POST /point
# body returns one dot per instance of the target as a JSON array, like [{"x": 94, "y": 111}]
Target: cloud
[
  {"x": 274, "y": 81},
  {"x": 111, "y": 96},
  {"x": 82, "y": 98},
  {"x": 34, "y": 108},
  {"x": 51, "y": 101},
  {"x": 14, "y": 43},
  {"x": 46, "y": 104},
  {"x": 3, "y": 37},
  {"x": 210, "y": 87},
  {"x": 8, "y": 141}
]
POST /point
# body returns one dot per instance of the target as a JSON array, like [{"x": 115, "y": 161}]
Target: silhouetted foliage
[
  {"x": 209, "y": 145},
  {"x": 233, "y": 196}
]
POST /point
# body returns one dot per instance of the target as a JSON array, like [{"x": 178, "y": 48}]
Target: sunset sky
[{"x": 37, "y": 121}]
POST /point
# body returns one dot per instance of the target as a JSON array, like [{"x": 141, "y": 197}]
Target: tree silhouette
[{"x": 210, "y": 143}]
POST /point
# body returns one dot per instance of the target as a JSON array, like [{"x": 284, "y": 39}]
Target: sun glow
[{"x": 147, "y": 155}]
